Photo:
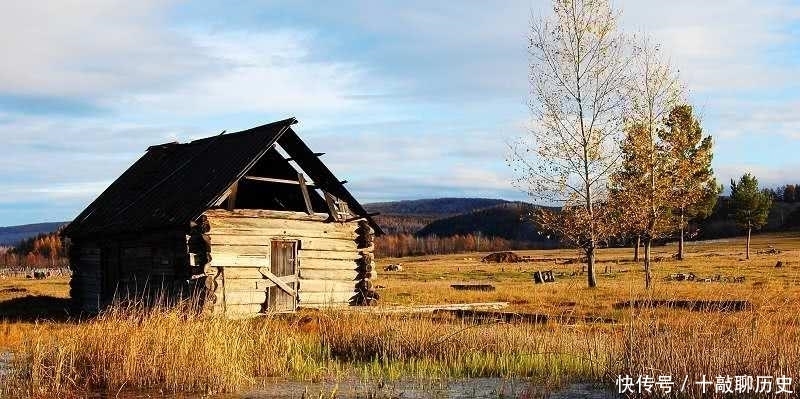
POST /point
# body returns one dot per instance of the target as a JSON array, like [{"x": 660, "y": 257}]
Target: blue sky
[{"x": 408, "y": 100}]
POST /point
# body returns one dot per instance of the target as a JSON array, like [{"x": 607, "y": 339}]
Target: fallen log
[
  {"x": 428, "y": 308},
  {"x": 732, "y": 305},
  {"x": 473, "y": 287},
  {"x": 484, "y": 316}
]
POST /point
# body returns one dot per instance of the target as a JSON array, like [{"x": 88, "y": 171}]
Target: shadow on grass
[{"x": 35, "y": 307}]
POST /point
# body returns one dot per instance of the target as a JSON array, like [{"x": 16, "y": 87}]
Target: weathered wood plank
[
  {"x": 325, "y": 286},
  {"x": 244, "y": 297},
  {"x": 263, "y": 214},
  {"x": 327, "y": 244},
  {"x": 327, "y": 298},
  {"x": 239, "y": 250},
  {"x": 341, "y": 255},
  {"x": 234, "y": 260},
  {"x": 221, "y": 242},
  {"x": 278, "y": 281},
  {"x": 240, "y": 272},
  {"x": 276, "y": 223},
  {"x": 220, "y": 234},
  {"x": 304, "y": 190},
  {"x": 323, "y": 274},
  {"x": 328, "y": 264},
  {"x": 300, "y": 180},
  {"x": 247, "y": 284}
]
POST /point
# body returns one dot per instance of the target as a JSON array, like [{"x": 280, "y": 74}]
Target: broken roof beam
[
  {"x": 322, "y": 176},
  {"x": 304, "y": 190},
  {"x": 316, "y": 154},
  {"x": 274, "y": 180}
]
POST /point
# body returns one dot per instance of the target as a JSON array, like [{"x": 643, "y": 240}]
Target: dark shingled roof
[{"x": 172, "y": 184}]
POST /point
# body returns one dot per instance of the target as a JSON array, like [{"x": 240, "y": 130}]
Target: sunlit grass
[{"x": 176, "y": 350}]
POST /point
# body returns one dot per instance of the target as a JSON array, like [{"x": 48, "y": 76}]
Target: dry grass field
[
  {"x": 427, "y": 279},
  {"x": 169, "y": 350}
]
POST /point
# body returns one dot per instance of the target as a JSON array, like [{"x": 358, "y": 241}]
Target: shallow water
[{"x": 472, "y": 388}]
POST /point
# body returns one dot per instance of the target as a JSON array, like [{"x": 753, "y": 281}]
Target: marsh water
[
  {"x": 408, "y": 389},
  {"x": 472, "y": 388}
]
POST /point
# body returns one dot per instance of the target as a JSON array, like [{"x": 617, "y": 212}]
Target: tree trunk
[
  {"x": 680, "y": 242},
  {"x": 636, "y": 248},
  {"x": 590, "y": 267},
  {"x": 747, "y": 253},
  {"x": 647, "y": 276}
]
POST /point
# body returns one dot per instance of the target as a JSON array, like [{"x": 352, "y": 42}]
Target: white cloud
[
  {"x": 91, "y": 48},
  {"x": 264, "y": 72},
  {"x": 727, "y": 46}
]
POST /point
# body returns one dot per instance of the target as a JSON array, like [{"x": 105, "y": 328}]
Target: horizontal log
[
  {"x": 325, "y": 286},
  {"x": 240, "y": 250},
  {"x": 256, "y": 236},
  {"x": 341, "y": 255},
  {"x": 328, "y": 264},
  {"x": 236, "y": 273},
  {"x": 263, "y": 214},
  {"x": 233, "y": 260},
  {"x": 240, "y": 272},
  {"x": 274, "y": 180},
  {"x": 273, "y": 223},
  {"x": 323, "y": 274},
  {"x": 327, "y": 298},
  {"x": 89, "y": 250},
  {"x": 261, "y": 244},
  {"x": 322, "y": 244},
  {"x": 248, "y": 284},
  {"x": 244, "y": 297}
]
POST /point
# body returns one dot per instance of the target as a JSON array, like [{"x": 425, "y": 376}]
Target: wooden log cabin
[{"x": 248, "y": 222}]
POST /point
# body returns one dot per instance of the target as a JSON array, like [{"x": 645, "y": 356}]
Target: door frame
[{"x": 278, "y": 280}]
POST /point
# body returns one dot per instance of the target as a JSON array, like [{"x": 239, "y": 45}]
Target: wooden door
[{"x": 283, "y": 265}]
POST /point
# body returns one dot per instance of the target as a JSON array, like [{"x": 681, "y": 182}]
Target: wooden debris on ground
[
  {"x": 713, "y": 279},
  {"x": 502, "y": 257},
  {"x": 681, "y": 277},
  {"x": 473, "y": 287},
  {"x": 769, "y": 251},
  {"x": 428, "y": 308},
  {"x": 731, "y": 305},
  {"x": 394, "y": 267},
  {"x": 546, "y": 276},
  {"x": 484, "y": 316}
]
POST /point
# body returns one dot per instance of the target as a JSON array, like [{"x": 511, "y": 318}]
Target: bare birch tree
[
  {"x": 648, "y": 196},
  {"x": 577, "y": 79}
]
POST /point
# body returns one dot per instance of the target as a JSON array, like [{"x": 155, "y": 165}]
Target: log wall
[
  {"x": 240, "y": 241},
  {"x": 142, "y": 266},
  {"x": 85, "y": 283}
]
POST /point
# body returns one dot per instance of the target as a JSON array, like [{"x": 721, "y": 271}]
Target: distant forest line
[{"x": 465, "y": 225}]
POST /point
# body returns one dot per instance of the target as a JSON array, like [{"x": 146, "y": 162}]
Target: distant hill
[
  {"x": 508, "y": 220},
  {"x": 12, "y": 235},
  {"x": 432, "y": 207},
  {"x": 412, "y": 215}
]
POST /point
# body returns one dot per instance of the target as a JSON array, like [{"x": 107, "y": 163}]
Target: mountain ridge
[{"x": 13, "y": 235}]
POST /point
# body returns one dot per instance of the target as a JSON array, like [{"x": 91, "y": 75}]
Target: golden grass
[
  {"x": 171, "y": 350},
  {"x": 168, "y": 350}
]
